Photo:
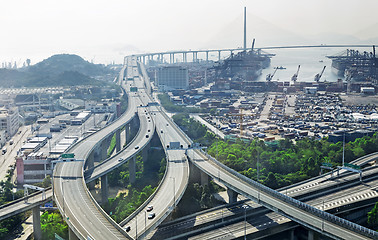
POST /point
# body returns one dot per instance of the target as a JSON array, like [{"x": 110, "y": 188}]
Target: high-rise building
[{"x": 172, "y": 77}]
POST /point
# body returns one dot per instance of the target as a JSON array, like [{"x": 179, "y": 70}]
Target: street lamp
[
  {"x": 64, "y": 211},
  {"x": 245, "y": 220},
  {"x": 174, "y": 190},
  {"x": 145, "y": 221},
  {"x": 136, "y": 227},
  {"x": 323, "y": 218}
]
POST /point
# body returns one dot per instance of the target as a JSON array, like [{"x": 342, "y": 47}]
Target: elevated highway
[
  {"x": 173, "y": 184},
  {"x": 147, "y": 128},
  {"x": 302, "y": 213},
  {"x": 81, "y": 212},
  {"x": 222, "y": 221},
  {"x": 25, "y": 204}
]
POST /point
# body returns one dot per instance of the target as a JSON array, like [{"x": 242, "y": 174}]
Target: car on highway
[
  {"x": 147, "y": 136},
  {"x": 151, "y": 215},
  {"x": 136, "y": 147},
  {"x": 127, "y": 229},
  {"x": 120, "y": 159},
  {"x": 149, "y": 208}
]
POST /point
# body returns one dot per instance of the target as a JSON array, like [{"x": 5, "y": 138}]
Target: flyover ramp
[
  {"x": 228, "y": 220},
  {"x": 147, "y": 128},
  {"x": 24, "y": 204},
  {"x": 173, "y": 184},
  {"x": 295, "y": 210},
  {"x": 72, "y": 197}
]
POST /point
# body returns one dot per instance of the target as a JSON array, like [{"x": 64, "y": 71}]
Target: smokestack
[{"x": 245, "y": 28}]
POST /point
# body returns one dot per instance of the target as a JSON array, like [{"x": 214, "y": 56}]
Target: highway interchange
[{"x": 88, "y": 221}]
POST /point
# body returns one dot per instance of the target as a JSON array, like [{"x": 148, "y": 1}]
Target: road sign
[
  {"x": 68, "y": 155},
  {"x": 352, "y": 166},
  {"x": 49, "y": 205},
  {"x": 327, "y": 164}
]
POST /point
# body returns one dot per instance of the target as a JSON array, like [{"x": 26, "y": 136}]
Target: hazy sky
[{"x": 108, "y": 30}]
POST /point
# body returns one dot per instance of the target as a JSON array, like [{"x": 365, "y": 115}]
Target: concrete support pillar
[
  {"x": 104, "y": 188},
  {"x": 232, "y": 195},
  {"x": 195, "y": 56},
  {"x": 145, "y": 152},
  {"x": 90, "y": 164},
  {"x": 104, "y": 150},
  {"x": 37, "y": 223},
  {"x": 292, "y": 234},
  {"x": 195, "y": 173},
  {"x": 132, "y": 169},
  {"x": 207, "y": 56},
  {"x": 71, "y": 235},
  {"x": 205, "y": 179},
  {"x": 127, "y": 133},
  {"x": 184, "y": 57},
  {"x": 144, "y": 59},
  {"x": 118, "y": 140},
  {"x": 312, "y": 235},
  {"x": 219, "y": 55}
]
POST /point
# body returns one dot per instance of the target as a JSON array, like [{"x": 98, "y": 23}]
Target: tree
[
  {"x": 373, "y": 216},
  {"x": 52, "y": 223}
]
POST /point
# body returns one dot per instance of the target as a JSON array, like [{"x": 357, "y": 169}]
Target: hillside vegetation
[{"x": 57, "y": 70}]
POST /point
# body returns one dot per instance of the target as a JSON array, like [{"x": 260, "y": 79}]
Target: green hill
[
  {"x": 68, "y": 62},
  {"x": 57, "y": 70}
]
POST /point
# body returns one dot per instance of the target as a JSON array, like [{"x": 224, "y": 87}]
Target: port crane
[
  {"x": 319, "y": 75},
  {"x": 348, "y": 78},
  {"x": 295, "y": 76},
  {"x": 269, "y": 77}
]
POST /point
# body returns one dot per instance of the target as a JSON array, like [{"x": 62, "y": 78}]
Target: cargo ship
[
  {"x": 248, "y": 64},
  {"x": 362, "y": 65}
]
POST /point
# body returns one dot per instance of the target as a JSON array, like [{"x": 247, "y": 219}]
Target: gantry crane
[
  {"x": 319, "y": 75},
  {"x": 348, "y": 79},
  {"x": 295, "y": 76},
  {"x": 269, "y": 77}
]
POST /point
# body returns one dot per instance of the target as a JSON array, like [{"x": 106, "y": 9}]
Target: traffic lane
[
  {"x": 77, "y": 207},
  {"x": 286, "y": 208},
  {"x": 83, "y": 148},
  {"x": 146, "y": 129},
  {"x": 171, "y": 188}
]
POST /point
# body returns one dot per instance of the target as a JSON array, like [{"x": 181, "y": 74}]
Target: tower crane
[
  {"x": 319, "y": 75},
  {"x": 269, "y": 77},
  {"x": 240, "y": 115},
  {"x": 295, "y": 76}
]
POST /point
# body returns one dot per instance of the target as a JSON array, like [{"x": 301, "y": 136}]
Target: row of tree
[
  {"x": 284, "y": 163},
  {"x": 148, "y": 175}
]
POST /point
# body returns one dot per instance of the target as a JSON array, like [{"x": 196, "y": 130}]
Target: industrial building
[
  {"x": 9, "y": 123},
  {"x": 172, "y": 77},
  {"x": 32, "y": 168}
]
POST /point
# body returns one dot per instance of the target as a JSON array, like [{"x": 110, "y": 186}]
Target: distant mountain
[
  {"x": 68, "y": 62},
  {"x": 57, "y": 70},
  {"x": 12, "y": 78}
]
